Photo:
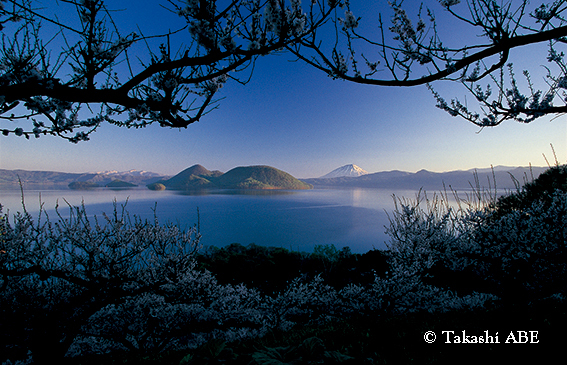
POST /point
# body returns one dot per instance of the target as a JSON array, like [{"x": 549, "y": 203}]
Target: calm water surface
[{"x": 296, "y": 220}]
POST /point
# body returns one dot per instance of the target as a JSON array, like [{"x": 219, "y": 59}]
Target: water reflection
[
  {"x": 249, "y": 192},
  {"x": 291, "y": 219}
]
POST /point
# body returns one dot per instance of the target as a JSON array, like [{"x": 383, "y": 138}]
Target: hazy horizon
[{"x": 496, "y": 168}]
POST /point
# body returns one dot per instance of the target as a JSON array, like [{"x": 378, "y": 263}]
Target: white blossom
[
  {"x": 168, "y": 304},
  {"x": 350, "y": 20}
]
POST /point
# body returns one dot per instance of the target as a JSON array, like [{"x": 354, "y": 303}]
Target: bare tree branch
[
  {"x": 56, "y": 83},
  {"x": 173, "y": 89},
  {"x": 411, "y": 55}
]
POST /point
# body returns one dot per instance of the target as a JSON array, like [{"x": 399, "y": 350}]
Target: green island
[
  {"x": 247, "y": 177},
  {"x": 120, "y": 184},
  {"x": 83, "y": 185}
]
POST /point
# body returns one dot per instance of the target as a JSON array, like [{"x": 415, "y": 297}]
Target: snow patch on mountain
[
  {"x": 346, "y": 171},
  {"x": 137, "y": 173}
]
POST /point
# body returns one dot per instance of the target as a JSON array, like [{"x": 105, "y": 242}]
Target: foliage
[
  {"x": 79, "y": 286},
  {"x": 120, "y": 184},
  {"x": 258, "y": 177},
  {"x": 311, "y": 351},
  {"x": 54, "y": 68},
  {"x": 384, "y": 339},
  {"x": 418, "y": 46},
  {"x": 248, "y": 177},
  {"x": 156, "y": 186},
  {"x": 67, "y": 75},
  {"x": 82, "y": 185},
  {"x": 55, "y": 276},
  {"x": 512, "y": 247},
  {"x": 542, "y": 189},
  {"x": 271, "y": 269},
  {"x": 520, "y": 245},
  {"x": 127, "y": 288}
]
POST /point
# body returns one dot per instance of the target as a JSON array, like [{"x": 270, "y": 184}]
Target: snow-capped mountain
[
  {"x": 346, "y": 171},
  {"x": 54, "y": 179},
  {"x": 138, "y": 173}
]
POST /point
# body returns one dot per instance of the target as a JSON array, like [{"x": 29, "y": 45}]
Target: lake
[{"x": 296, "y": 220}]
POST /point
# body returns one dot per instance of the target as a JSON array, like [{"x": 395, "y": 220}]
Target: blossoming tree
[
  {"x": 463, "y": 41},
  {"x": 86, "y": 74},
  {"x": 69, "y": 74},
  {"x": 55, "y": 275}
]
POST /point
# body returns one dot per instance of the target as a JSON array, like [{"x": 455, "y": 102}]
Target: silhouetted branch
[{"x": 173, "y": 89}]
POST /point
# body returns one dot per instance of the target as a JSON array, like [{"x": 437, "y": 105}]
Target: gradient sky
[{"x": 297, "y": 119}]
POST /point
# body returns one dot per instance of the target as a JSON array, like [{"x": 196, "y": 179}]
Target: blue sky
[{"x": 299, "y": 120}]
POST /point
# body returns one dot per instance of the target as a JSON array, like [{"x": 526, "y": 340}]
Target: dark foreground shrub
[
  {"x": 271, "y": 269},
  {"x": 513, "y": 247},
  {"x": 55, "y": 276}
]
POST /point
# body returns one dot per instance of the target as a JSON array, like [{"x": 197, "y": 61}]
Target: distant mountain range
[
  {"x": 504, "y": 177},
  {"x": 192, "y": 178},
  {"x": 345, "y": 171},
  {"x": 248, "y": 177},
  {"x": 61, "y": 180},
  {"x": 266, "y": 177}
]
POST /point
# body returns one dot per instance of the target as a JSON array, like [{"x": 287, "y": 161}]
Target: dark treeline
[{"x": 271, "y": 269}]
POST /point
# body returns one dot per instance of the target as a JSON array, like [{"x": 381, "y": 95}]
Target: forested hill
[{"x": 246, "y": 177}]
